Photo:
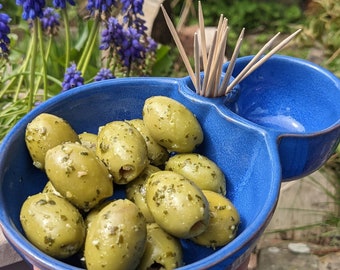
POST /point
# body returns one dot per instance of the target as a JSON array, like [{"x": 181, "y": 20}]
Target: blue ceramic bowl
[{"x": 245, "y": 150}]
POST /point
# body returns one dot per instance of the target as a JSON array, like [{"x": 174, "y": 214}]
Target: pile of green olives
[{"x": 172, "y": 193}]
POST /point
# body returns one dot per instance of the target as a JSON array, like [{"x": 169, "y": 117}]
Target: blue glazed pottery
[{"x": 284, "y": 123}]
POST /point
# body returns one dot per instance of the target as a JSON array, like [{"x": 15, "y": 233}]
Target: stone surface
[
  {"x": 299, "y": 248},
  {"x": 281, "y": 258},
  {"x": 330, "y": 261},
  {"x": 8, "y": 255},
  {"x": 17, "y": 266},
  {"x": 301, "y": 203}
]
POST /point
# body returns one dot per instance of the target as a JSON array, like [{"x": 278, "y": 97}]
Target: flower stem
[
  {"x": 47, "y": 53},
  {"x": 23, "y": 69},
  {"x": 88, "y": 46},
  {"x": 14, "y": 77},
  {"x": 89, "y": 54},
  {"x": 67, "y": 38},
  {"x": 43, "y": 59},
  {"x": 33, "y": 62}
]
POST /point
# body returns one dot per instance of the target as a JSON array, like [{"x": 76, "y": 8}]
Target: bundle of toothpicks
[{"x": 211, "y": 84}]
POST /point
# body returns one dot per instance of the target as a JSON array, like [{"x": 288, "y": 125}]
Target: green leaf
[{"x": 163, "y": 61}]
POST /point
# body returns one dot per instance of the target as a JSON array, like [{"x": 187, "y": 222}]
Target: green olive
[
  {"x": 199, "y": 169},
  {"x": 157, "y": 154},
  {"x": 79, "y": 176},
  {"x": 224, "y": 221},
  {"x": 49, "y": 188},
  {"x": 123, "y": 150},
  {"x": 89, "y": 140},
  {"x": 136, "y": 191},
  {"x": 91, "y": 215},
  {"x": 177, "y": 204},
  {"x": 163, "y": 251},
  {"x": 43, "y": 133},
  {"x": 171, "y": 124},
  {"x": 52, "y": 224},
  {"x": 116, "y": 238}
]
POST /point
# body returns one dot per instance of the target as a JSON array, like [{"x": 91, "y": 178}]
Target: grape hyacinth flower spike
[
  {"x": 104, "y": 74},
  {"x": 72, "y": 78},
  {"x": 31, "y": 9},
  {"x": 62, "y": 3},
  {"x": 4, "y": 31},
  {"x": 50, "y": 21}
]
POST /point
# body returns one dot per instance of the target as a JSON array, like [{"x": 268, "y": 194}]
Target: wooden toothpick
[
  {"x": 213, "y": 60},
  {"x": 231, "y": 65},
  {"x": 203, "y": 38},
  {"x": 179, "y": 46},
  {"x": 207, "y": 71},
  {"x": 246, "y": 73},
  {"x": 197, "y": 64},
  {"x": 273, "y": 51},
  {"x": 251, "y": 63}
]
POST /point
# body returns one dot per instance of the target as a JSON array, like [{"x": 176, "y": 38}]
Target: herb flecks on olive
[
  {"x": 116, "y": 238},
  {"x": 199, "y": 169},
  {"x": 157, "y": 154},
  {"x": 171, "y": 124},
  {"x": 136, "y": 191},
  {"x": 43, "y": 133},
  {"x": 224, "y": 221},
  {"x": 78, "y": 175},
  {"x": 53, "y": 224},
  {"x": 123, "y": 150},
  {"x": 49, "y": 188},
  {"x": 163, "y": 251},
  {"x": 89, "y": 140},
  {"x": 177, "y": 204}
]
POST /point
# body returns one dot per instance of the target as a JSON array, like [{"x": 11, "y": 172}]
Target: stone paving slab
[
  {"x": 8, "y": 255},
  {"x": 279, "y": 256}
]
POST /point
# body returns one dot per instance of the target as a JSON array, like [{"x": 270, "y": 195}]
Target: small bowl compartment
[
  {"x": 298, "y": 102},
  {"x": 288, "y": 95}
]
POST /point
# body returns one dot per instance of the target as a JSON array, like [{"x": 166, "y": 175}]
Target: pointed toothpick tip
[
  {"x": 250, "y": 68},
  {"x": 179, "y": 45}
]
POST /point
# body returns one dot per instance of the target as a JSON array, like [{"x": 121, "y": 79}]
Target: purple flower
[
  {"x": 31, "y": 8},
  {"x": 50, "y": 21},
  {"x": 127, "y": 42},
  {"x": 131, "y": 48},
  {"x": 132, "y": 9},
  {"x": 62, "y": 3},
  {"x": 100, "y": 7},
  {"x": 133, "y": 6},
  {"x": 72, "y": 78},
  {"x": 152, "y": 44},
  {"x": 104, "y": 74},
  {"x": 112, "y": 34},
  {"x": 4, "y": 31}
]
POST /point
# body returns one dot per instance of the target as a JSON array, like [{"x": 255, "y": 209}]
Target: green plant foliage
[
  {"x": 322, "y": 27},
  {"x": 323, "y": 24},
  {"x": 164, "y": 62},
  {"x": 253, "y": 15}
]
